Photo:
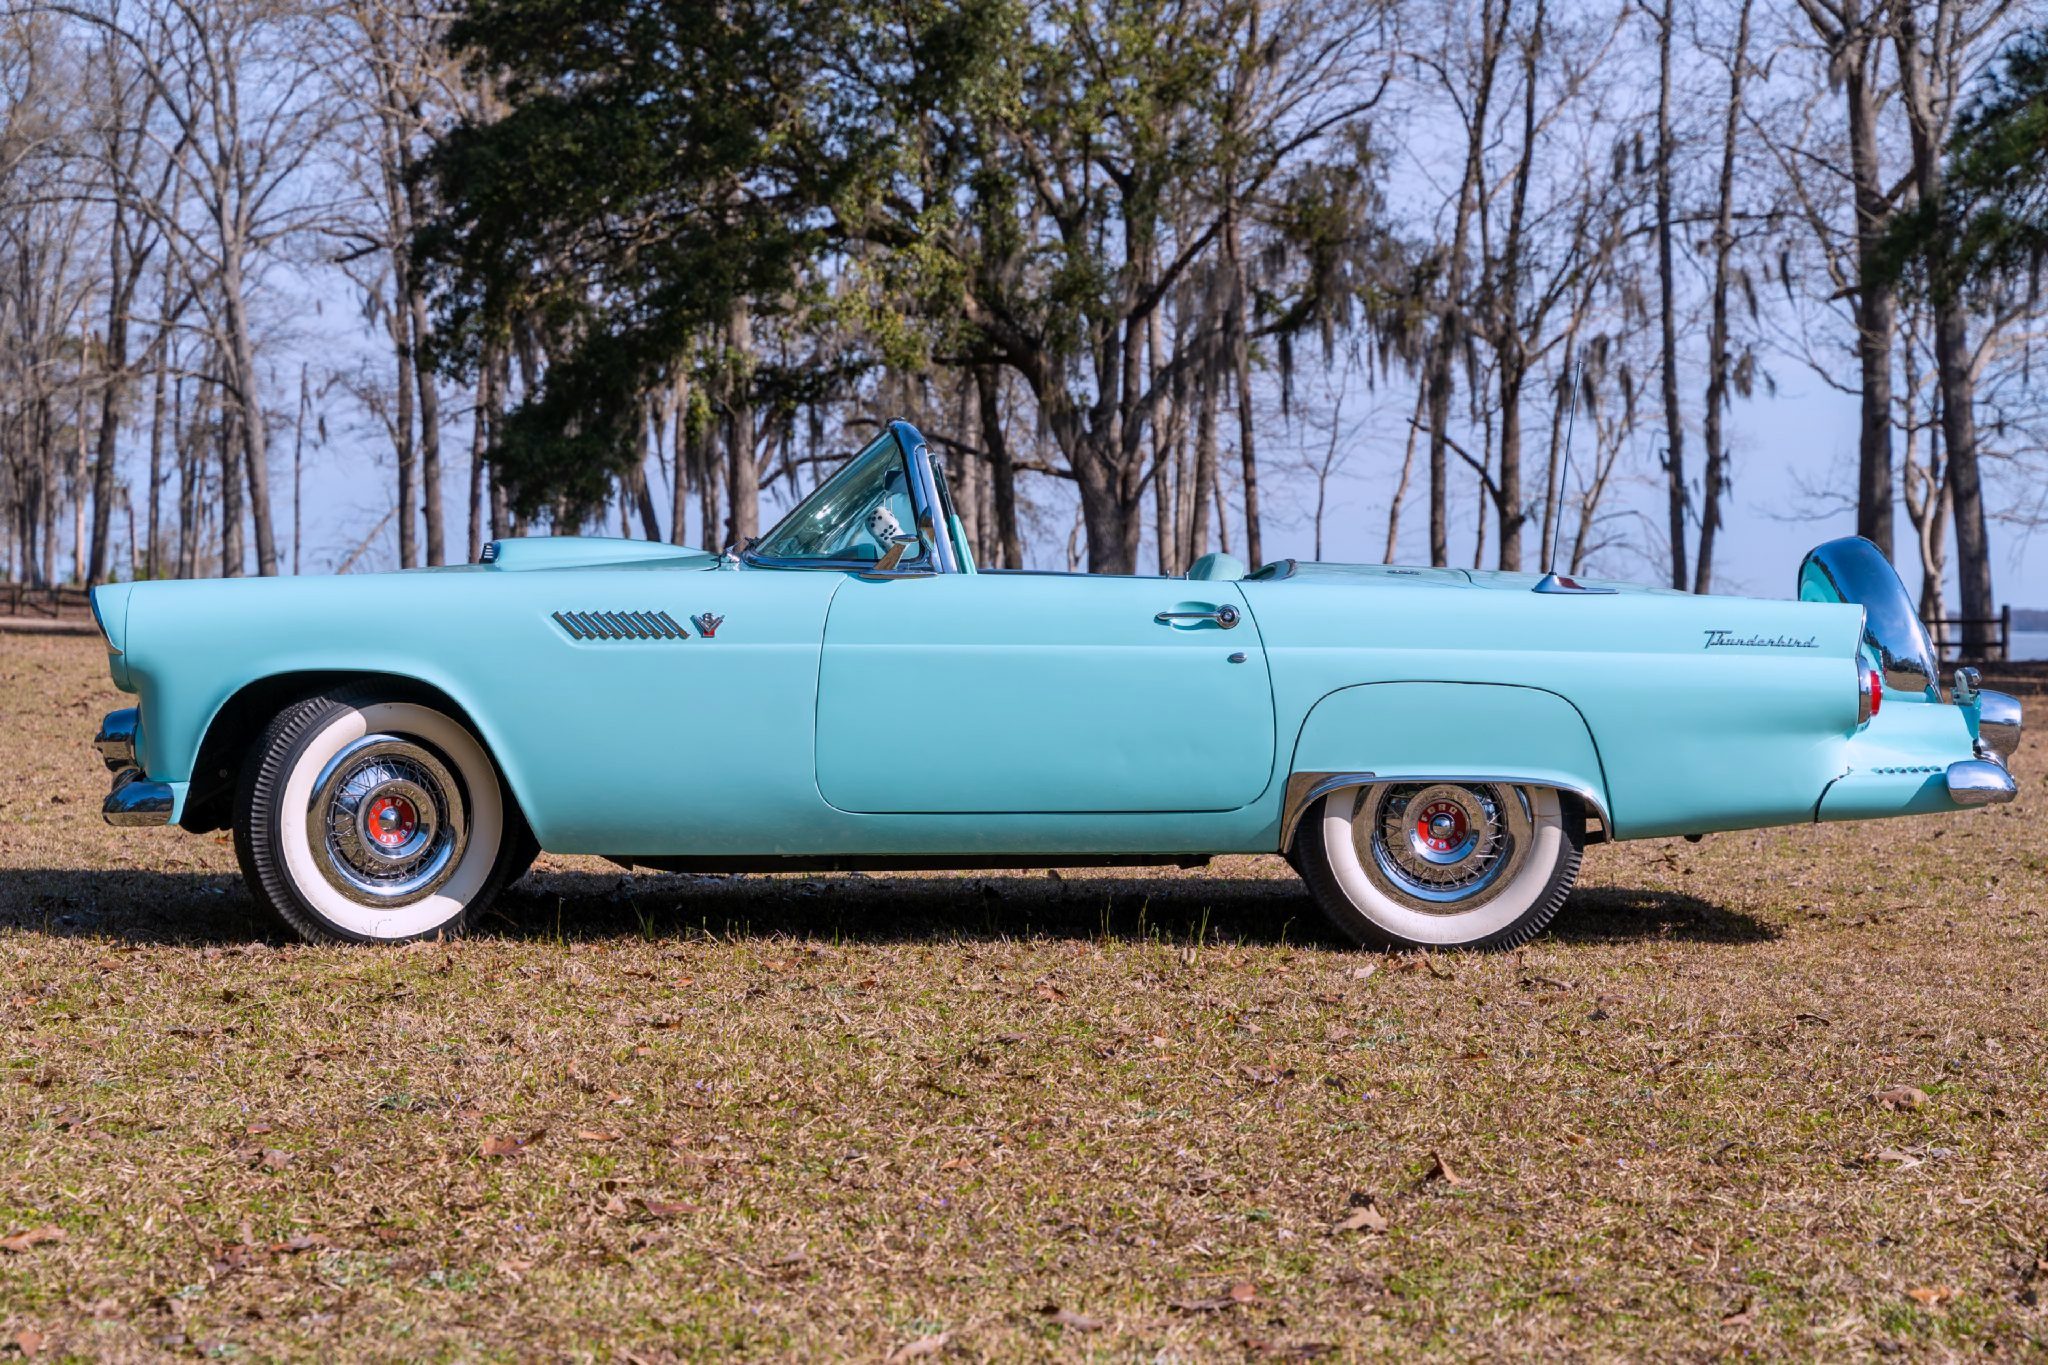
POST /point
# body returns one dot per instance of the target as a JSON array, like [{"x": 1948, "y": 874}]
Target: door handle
[{"x": 1225, "y": 616}]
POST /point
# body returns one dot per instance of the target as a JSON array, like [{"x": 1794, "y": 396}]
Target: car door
[{"x": 996, "y": 692}]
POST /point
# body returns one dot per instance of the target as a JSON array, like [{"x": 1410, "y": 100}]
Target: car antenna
[{"x": 1552, "y": 581}]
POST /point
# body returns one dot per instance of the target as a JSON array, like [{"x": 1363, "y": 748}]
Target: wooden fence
[
  {"x": 1948, "y": 633},
  {"x": 50, "y": 604}
]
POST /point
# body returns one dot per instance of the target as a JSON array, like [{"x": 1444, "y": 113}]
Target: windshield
[{"x": 852, "y": 516}]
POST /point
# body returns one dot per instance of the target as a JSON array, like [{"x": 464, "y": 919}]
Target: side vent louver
[{"x": 620, "y": 625}]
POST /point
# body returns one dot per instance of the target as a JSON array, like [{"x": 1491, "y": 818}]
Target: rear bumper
[
  {"x": 1980, "y": 782},
  {"x": 1918, "y": 758}
]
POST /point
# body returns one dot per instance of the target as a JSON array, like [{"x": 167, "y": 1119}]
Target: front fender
[{"x": 1431, "y": 730}]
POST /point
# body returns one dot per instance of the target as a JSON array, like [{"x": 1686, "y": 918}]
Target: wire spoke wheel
[
  {"x": 387, "y": 821},
  {"x": 1441, "y": 863},
  {"x": 1440, "y": 848},
  {"x": 364, "y": 817}
]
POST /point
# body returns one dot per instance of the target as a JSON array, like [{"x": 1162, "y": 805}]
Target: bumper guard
[
  {"x": 1980, "y": 782},
  {"x": 135, "y": 800}
]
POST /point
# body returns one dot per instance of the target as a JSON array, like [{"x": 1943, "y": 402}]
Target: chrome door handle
[{"x": 1224, "y": 616}]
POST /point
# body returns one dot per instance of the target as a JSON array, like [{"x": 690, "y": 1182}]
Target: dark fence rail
[
  {"x": 51, "y": 604},
  {"x": 1948, "y": 633}
]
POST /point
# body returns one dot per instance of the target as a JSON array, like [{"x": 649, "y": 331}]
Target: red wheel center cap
[
  {"x": 1441, "y": 826},
  {"x": 392, "y": 820}
]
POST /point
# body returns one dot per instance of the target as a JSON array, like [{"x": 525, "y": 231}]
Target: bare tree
[
  {"x": 1714, "y": 479},
  {"x": 238, "y": 111}
]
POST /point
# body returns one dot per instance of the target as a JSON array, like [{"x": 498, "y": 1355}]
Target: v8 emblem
[{"x": 707, "y": 623}]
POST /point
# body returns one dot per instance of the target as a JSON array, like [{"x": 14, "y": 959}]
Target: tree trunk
[
  {"x": 479, "y": 448},
  {"x": 1955, "y": 375},
  {"x": 1444, "y": 347},
  {"x": 1667, "y": 307},
  {"x": 679, "y": 458},
  {"x": 1715, "y": 478},
  {"x": 430, "y": 431},
  {"x": 742, "y": 470},
  {"x": 255, "y": 439},
  {"x": 400, "y": 325},
  {"x": 1001, "y": 466},
  {"x": 1241, "y": 358},
  {"x": 298, "y": 470},
  {"x": 1162, "y": 453},
  {"x": 1874, "y": 308},
  {"x": 233, "y": 552},
  {"x": 1205, "y": 463},
  {"x": 120, "y": 285},
  {"x": 150, "y": 563}
]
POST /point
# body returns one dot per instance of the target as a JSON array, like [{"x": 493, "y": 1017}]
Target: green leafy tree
[
  {"x": 1996, "y": 204},
  {"x": 659, "y": 171}
]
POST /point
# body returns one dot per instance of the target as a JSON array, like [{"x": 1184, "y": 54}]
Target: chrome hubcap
[
  {"x": 386, "y": 821},
  {"x": 1440, "y": 847}
]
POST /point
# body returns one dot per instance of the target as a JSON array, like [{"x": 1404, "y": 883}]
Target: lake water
[{"x": 2030, "y": 644}]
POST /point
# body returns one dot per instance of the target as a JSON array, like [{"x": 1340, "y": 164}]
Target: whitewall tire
[
  {"x": 366, "y": 817},
  {"x": 1441, "y": 864}
]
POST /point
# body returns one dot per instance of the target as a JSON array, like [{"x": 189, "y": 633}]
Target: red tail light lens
[
  {"x": 1869, "y": 693},
  {"x": 1876, "y": 691}
]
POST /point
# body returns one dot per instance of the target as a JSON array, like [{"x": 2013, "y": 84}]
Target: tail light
[{"x": 1869, "y": 693}]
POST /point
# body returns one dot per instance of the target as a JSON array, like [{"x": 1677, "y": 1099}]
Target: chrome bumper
[
  {"x": 116, "y": 739},
  {"x": 135, "y": 800},
  {"x": 1980, "y": 782}
]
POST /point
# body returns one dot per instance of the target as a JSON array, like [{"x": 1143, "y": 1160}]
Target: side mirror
[{"x": 897, "y": 546}]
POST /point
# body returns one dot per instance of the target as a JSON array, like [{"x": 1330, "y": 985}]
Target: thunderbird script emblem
[{"x": 707, "y": 623}]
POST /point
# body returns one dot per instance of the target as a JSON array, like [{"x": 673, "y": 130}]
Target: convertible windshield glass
[{"x": 854, "y": 515}]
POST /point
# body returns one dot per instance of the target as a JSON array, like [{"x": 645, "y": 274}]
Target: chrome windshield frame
[{"x": 933, "y": 523}]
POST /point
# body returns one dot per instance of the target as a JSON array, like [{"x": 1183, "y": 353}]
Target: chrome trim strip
[
  {"x": 924, "y": 495},
  {"x": 116, "y": 739},
  {"x": 136, "y": 802},
  {"x": 1980, "y": 782},
  {"x": 2000, "y": 719},
  {"x": 1305, "y": 789}
]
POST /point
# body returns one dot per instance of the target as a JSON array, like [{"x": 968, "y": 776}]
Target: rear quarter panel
[{"x": 1688, "y": 737}]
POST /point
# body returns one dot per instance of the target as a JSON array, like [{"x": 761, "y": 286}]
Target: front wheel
[
  {"x": 1441, "y": 864},
  {"x": 362, "y": 817}
]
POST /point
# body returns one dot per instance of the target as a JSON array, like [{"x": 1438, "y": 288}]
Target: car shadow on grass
[
  {"x": 204, "y": 909},
  {"x": 1604, "y": 914}
]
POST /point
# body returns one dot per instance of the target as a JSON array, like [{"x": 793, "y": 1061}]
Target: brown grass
[{"x": 781, "y": 1117}]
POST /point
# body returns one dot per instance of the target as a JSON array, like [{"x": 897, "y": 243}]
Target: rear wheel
[
  {"x": 369, "y": 818},
  {"x": 1441, "y": 864}
]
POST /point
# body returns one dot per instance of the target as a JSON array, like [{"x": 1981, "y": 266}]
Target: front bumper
[{"x": 135, "y": 800}]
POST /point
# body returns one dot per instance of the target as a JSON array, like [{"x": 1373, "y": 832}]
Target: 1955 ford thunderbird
[{"x": 1431, "y": 748}]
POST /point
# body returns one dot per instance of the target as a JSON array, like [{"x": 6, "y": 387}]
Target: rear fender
[{"x": 1416, "y": 731}]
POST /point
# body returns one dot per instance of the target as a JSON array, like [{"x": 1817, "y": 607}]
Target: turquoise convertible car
[{"x": 1431, "y": 748}]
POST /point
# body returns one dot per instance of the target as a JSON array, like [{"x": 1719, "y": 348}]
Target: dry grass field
[{"x": 1777, "y": 1094}]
